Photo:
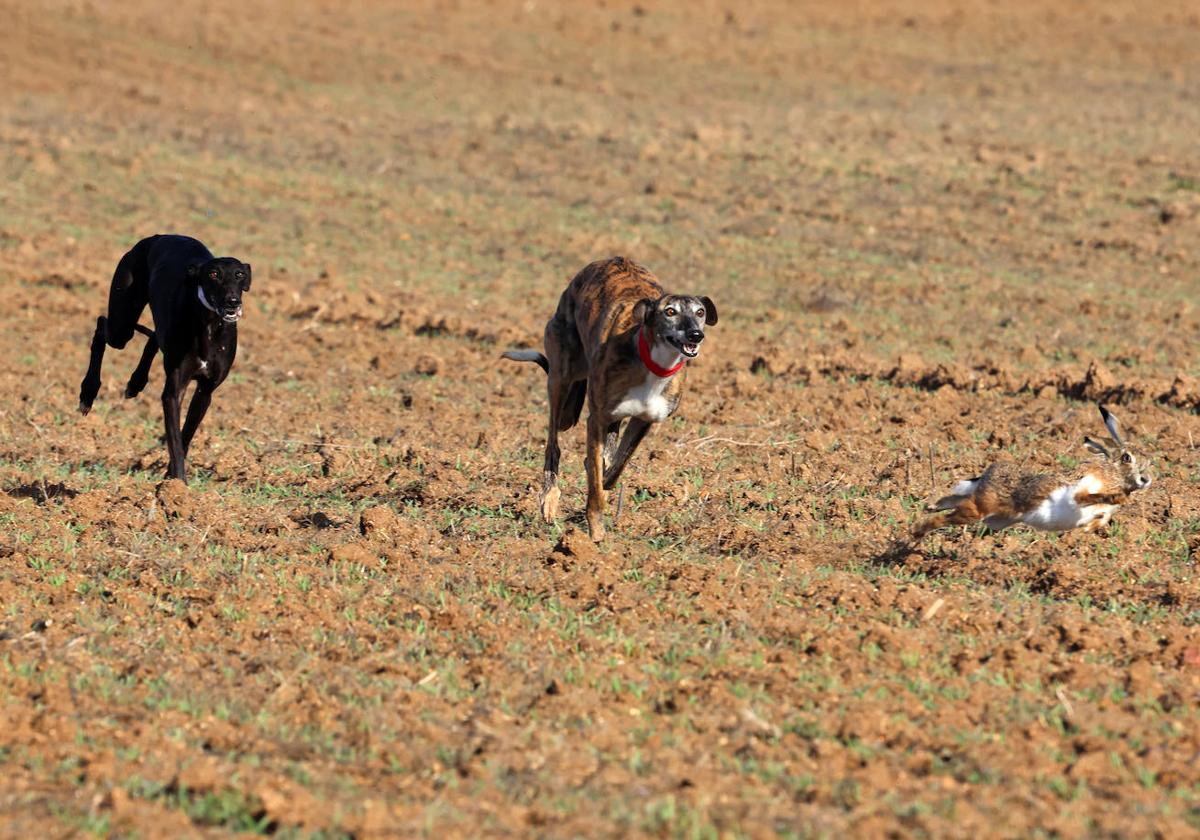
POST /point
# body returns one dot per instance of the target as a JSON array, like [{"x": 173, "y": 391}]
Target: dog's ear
[
  {"x": 710, "y": 311},
  {"x": 643, "y": 310},
  {"x": 246, "y": 279}
]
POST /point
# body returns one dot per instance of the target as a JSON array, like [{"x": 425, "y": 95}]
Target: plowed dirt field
[{"x": 937, "y": 233}]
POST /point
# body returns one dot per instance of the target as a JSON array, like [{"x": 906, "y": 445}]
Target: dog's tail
[{"x": 527, "y": 356}]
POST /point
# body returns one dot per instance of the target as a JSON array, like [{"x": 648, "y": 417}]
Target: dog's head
[
  {"x": 221, "y": 282},
  {"x": 678, "y": 320}
]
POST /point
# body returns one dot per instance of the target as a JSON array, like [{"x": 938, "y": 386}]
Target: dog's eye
[
  {"x": 699, "y": 313},
  {"x": 241, "y": 275},
  {"x": 670, "y": 311},
  {"x": 212, "y": 275}
]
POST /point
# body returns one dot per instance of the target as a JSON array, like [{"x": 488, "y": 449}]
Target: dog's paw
[
  {"x": 549, "y": 503},
  {"x": 596, "y": 530}
]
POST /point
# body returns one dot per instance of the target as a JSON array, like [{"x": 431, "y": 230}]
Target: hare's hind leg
[{"x": 963, "y": 514}]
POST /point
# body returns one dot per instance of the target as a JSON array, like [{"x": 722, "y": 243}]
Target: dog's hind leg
[
  {"x": 548, "y": 498},
  {"x": 565, "y": 391},
  {"x": 90, "y": 386},
  {"x": 635, "y": 430},
  {"x": 141, "y": 374},
  {"x": 127, "y": 297},
  {"x": 572, "y": 405},
  {"x": 197, "y": 408}
]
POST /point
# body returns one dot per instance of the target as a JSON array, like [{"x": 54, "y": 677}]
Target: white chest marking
[
  {"x": 1060, "y": 512},
  {"x": 203, "y": 365},
  {"x": 645, "y": 400}
]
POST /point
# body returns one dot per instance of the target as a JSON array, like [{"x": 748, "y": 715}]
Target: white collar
[{"x": 204, "y": 302}]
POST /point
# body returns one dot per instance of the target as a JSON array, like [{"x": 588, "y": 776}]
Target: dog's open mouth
[
  {"x": 230, "y": 317},
  {"x": 687, "y": 348}
]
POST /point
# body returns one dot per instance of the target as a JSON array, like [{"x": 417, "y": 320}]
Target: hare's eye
[{"x": 1126, "y": 458}]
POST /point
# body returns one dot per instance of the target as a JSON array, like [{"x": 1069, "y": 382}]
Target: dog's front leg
[
  {"x": 610, "y": 444},
  {"x": 171, "y": 396},
  {"x": 197, "y": 408},
  {"x": 597, "y": 499},
  {"x": 635, "y": 430}
]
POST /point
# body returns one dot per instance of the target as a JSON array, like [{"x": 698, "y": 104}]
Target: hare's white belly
[
  {"x": 1060, "y": 512},
  {"x": 646, "y": 401}
]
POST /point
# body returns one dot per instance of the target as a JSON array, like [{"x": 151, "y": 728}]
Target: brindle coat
[{"x": 591, "y": 347}]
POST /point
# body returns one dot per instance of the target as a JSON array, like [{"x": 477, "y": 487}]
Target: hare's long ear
[
  {"x": 1096, "y": 446},
  {"x": 1110, "y": 422}
]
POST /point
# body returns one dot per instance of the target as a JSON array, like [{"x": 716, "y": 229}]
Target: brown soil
[{"x": 937, "y": 233}]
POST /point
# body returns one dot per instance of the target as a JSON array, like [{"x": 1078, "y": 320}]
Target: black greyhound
[{"x": 196, "y": 301}]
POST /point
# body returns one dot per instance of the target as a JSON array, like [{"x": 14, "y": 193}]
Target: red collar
[{"x": 653, "y": 366}]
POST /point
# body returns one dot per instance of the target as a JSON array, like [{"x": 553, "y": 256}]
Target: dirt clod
[
  {"x": 379, "y": 522},
  {"x": 427, "y": 364},
  {"x": 353, "y": 552},
  {"x": 576, "y": 544},
  {"x": 175, "y": 499}
]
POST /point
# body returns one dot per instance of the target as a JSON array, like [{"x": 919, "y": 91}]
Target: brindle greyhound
[
  {"x": 618, "y": 340},
  {"x": 196, "y": 301}
]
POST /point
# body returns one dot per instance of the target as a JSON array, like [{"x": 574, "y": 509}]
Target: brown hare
[{"x": 1005, "y": 495}]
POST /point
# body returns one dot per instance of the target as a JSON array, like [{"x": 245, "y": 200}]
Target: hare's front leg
[{"x": 1102, "y": 520}]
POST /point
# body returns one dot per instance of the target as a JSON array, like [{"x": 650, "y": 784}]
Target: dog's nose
[{"x": 695, "y": 336}]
